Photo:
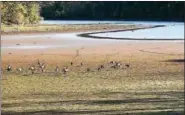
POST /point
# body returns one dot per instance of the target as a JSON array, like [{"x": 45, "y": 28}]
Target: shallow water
[
  {"x": 167, "y": 32},
  {"x": 173, "y": 30}
]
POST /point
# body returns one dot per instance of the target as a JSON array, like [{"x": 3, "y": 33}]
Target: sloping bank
[{"x": 89, "y": 35}]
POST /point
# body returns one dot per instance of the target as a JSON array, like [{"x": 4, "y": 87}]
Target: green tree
[
  {"x": 33, "y": 15},
  {"x": 20, "y": 12}
]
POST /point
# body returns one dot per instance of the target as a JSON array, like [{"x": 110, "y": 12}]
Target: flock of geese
[{"x": 42, "y": 67}]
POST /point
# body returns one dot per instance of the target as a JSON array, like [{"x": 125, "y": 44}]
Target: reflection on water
[{"x": 108, "y": 22}]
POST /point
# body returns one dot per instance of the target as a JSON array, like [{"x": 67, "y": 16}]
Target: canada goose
[
  {"x": 57, "y": 69},
  {"x": 88, "y": 69},
  {"x": 101, "y": 66},
  {"x": 65, "y": 70},
  {"x": 71, "y": 63},
  {"x": 38, "y": 62},
  {"x": 9, "y": 68},
  {"x": 112, "y": 62},
  {"x": 19, "y": 69},
  {"x": 118, "y": 64},
  {"x": 127, "y": 65},
  {"x": 32, "y": 68},
  {"x": 42, "y": 67}
]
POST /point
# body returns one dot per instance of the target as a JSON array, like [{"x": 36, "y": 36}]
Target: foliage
[
  {"x": 29, "y": 12},
  {"x": 19, "y": 12},
  {"x": 113, "y": 10}
]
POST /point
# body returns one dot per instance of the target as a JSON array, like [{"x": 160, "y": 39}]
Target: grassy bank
[{"x": 61, "y": 28}]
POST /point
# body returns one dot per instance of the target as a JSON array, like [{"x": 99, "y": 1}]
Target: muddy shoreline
[{"x": 92, "y": 47}]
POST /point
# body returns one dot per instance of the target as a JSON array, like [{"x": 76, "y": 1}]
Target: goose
[
  {"x": 127, "y": 65},
  {"x": 19, "y": 69},
  {"x": 57, "y": 69},
  {"x": 88, "y": 69},
  {"x": 9, "y": 68},
  {"x": 65, "y": 70},
  {"x": 32, "y": 68}
]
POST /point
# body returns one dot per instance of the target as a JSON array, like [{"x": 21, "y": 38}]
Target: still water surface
[
  {"x": 167, "y": 32},
  {"x": 172, "y": 30}
]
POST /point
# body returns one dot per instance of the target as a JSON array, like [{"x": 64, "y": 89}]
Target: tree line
[
  {"x": 153, "y": 10},
  {"x": 31, "y": 12}
]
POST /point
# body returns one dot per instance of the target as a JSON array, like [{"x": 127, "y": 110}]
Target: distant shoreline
[
  {"x": 179, "y": 21},
  {"x": 34, "y": 29}
]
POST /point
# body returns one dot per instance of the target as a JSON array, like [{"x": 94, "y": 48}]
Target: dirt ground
[{"x": 121, "y": 50}]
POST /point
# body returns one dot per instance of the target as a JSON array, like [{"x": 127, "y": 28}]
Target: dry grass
[{"x": 149, "y": 86}]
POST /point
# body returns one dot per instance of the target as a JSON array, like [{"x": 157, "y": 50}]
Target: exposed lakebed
[{"x": 162, "y": 31}]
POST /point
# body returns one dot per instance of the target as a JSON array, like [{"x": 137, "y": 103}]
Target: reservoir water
[
  {"x": 167, "y": 32},
  {"x": 172, "y": 30}
]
